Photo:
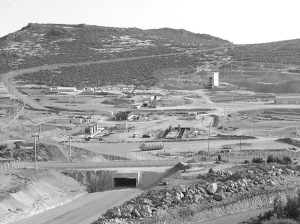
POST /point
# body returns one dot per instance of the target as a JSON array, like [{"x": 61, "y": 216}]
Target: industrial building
[
  {"x": 121, "y": 126},
  {"x": 123, "y": 115},
  {"x": 63, "y": 89},
  {"x": 67, "y": 121},
  {"x": 287, "y": 100},
  {"x": 213, "y": 79},
  {"x": 61, "y": 121},
  {"x": 91, "y": 129}
]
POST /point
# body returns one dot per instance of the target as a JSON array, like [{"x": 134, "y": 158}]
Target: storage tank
[{"x": 151, "y": 146}]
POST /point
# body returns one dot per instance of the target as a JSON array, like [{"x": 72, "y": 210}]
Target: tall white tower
[{"x": 213, "y": 79}]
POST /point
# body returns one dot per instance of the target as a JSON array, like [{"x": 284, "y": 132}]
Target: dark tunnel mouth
[{"x": 124, "y": 182}]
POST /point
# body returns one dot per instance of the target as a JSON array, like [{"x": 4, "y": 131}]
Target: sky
[{"x": 239, "y": 21}]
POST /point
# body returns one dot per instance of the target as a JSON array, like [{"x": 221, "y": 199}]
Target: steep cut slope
[
  {"x": 28, "y": 192},
  {"x": 37, "y": 44},
  {"x": 286, "y": 52}
]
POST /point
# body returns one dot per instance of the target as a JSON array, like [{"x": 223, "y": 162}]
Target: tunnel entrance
[{"x": 124, "y": 182}]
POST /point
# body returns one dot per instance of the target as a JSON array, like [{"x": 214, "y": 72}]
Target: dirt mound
[
  {"x": 289, "y": 141},
  {"x": 171, "y": 101},
  {"x": 25, "y": 151},
  {"x": 28, "y": 192}
]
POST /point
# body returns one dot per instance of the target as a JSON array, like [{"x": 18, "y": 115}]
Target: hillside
[
  {"x": 37, "y": 44},
  {"x": 284, "y": 52}
]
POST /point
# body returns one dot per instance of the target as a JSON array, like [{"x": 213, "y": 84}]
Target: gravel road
[{"x": 84, "y": 210}]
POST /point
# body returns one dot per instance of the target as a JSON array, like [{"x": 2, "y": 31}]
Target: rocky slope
[{"x": 216, "y": 194}]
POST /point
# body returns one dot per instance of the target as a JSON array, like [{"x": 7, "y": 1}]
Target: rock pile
[{"x": 154, "y": 202}]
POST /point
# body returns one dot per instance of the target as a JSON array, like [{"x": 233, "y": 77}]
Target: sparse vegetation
[
  {"x": 257, "y": 160},
  {"x": 284, "y": 52},
  {"x": 127, "y": 72},
  {"x": 283, "y": 213},
  {"x": 61, "y": 43},
  {"x": 284, "y": 160}
]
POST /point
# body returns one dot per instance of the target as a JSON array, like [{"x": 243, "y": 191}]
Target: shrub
[
  {"x": 285, "y": 160},
  {"x": 246, "y": 161},
  {"x": 2, "y": 147},
  {"x": 280, "y": 221},
  {"x": 257, "y": 160},
  {"x": 211, "y": 171},
  {"x": 283, "y": 213},
  {"x": 270, "y": 159},
  {"x": 219, "y": 157}
]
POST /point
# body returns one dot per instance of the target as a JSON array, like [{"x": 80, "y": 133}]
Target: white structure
[
  {"x": 287, "y": 99},
  {"x": 63, "y": 89},
  {"x": 151, "y": 146},
  {"x": 213, "y": 79},
  {"x": 90, "y": 89}
]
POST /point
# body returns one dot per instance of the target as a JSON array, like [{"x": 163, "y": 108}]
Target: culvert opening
[{"x": 124, "y": 182}]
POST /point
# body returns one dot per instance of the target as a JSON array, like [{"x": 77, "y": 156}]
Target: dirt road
[
  {"x": 85, "y": 210},
  {"x": 28, "y": 101},
  {"x": 131, "y": 149},
  {"x": 25, "y": 99},
  {"x": 235, "y": 218}
]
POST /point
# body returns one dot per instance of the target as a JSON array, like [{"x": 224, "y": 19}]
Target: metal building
[
  {"x": 287, "y": 100},
  {"x": 152, "y": 146}
]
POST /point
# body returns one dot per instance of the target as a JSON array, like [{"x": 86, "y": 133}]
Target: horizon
[{"x": 240, "y": 23}]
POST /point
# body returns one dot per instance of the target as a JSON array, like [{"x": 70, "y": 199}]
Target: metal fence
[
  {"x": 253, "y": 154},
  {"x": 10, "y": 122},
  {"x": 13, "y": 165},
  {"x": 108, "y": 164}
]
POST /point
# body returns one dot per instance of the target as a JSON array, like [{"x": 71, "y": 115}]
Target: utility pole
[
  {"x": 208, "y": 139},
  {"x": 70, "y": 150},
  {"x": 40, "y": 130},
  {"x": 9, "y": 117},
  {"x": 251, "y": 126},
  {"x": 240, "y": 144},
  {"x": 35, "y": 160}
]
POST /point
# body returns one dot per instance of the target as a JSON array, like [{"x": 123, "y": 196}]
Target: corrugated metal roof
[{"x": 152, "y": 146}]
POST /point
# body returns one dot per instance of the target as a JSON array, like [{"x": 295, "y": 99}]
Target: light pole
[
  {"x": 251, "y": 126},
  {"x": 70, "y": 149},
  {"x": 35, "y": 136},
  {"x": 40, "y": 130},
  {"x": 208, "y": 139}
]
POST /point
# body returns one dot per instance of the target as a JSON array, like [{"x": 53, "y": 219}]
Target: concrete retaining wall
[{"x": 102, "y": 180}]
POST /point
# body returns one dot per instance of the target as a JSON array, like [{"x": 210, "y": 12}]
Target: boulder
[
  {"x": 219, "y": 189},
  {"x": 197, "y": 198},
  {"x": 114, "y": 212},
  {"x": 136, "y": 213},
  {"x": 182, "y": 188},
  {"x": 218, "y": 197},
  {"x": 212, "y": 188}
]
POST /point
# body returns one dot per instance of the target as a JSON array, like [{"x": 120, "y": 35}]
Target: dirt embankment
[
  {"x": 94, "y": 180},
  {"x": 233, "y": 206},
  {"x": 28, "y": 192}
]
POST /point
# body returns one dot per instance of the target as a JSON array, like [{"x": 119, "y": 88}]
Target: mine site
[{"x": 114, "y": 125}]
